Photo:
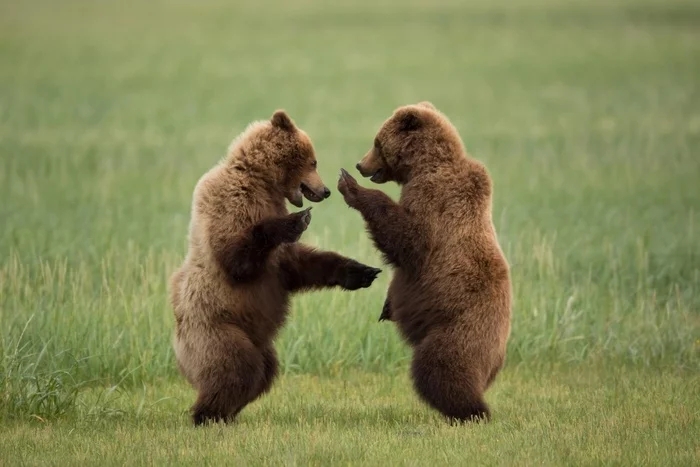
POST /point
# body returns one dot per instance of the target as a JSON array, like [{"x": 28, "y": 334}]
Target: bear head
[
  {"x": 415, "y": 138},
  {"x": 282, "y": 155}
]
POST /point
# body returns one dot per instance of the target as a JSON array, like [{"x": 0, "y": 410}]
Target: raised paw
[
  {"x": 348, "y": 187},
  {"x": 296, "y": 225},
  {"x": 357, "y": 276}
]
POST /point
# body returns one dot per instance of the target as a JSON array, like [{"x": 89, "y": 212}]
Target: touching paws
[
  {"x": 357, "y": 276},
  {"x": 349, "y": 188},
  {"x": 296, "y": 225}
]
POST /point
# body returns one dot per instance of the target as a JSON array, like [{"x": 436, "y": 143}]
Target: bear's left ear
[
  {"x": 281, "y": 120},
  {"x": 409, "y": 119},
  {"x": 427, "y": 105}
]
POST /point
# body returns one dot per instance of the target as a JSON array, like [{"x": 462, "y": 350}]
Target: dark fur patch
[
  {"x": 409, "y": 120},
  {"x": 386, "y": 311},
  {"x": 245, "y": 258},
  {"x": 304, "y": 268}
]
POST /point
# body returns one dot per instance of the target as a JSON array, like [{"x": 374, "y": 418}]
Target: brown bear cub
[
  {"x": 450, "y": 295},
  {"x": 231, "y": 295}
]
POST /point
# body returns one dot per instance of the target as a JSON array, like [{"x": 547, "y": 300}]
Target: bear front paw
[
  {"x": 357, "y": 276},
  {"x": 296, "y": 225},
  {"x": 348, "y": 187}
]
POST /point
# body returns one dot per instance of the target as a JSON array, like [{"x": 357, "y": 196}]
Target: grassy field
[
  {"x": 553, "y": 416},
  {"x": 587, "y": 114}
]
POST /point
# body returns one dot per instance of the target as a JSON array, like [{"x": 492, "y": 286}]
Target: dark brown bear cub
[
  {"x": 231, "y": 295},
  {"x": 450, "y": 295}
]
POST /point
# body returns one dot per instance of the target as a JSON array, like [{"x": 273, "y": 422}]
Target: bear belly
[{"x": 409, "y": 308}]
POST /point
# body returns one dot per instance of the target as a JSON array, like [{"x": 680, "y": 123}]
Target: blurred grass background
[{"x": 587, "y": 114}]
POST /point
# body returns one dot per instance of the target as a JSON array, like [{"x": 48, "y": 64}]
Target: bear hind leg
[
  {"x": 494, "y": 372},
  {"x": 269, "y": 373},
  {"x": 231, "y": 384},
  {"x": 215, "y": 406},
  {"x": 447, "y": 383}
]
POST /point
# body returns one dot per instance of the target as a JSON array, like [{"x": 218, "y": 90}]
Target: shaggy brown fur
[
  {"x": 450, "y": 295},
  {"x": 231, "y": 295}
]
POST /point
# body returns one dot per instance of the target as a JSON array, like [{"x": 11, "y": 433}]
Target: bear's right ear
[
  {"x": 409, "y": 119},
  {"x": 281, "y": 120}
]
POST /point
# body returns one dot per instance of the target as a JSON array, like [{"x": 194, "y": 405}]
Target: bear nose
[
  {"x": 357, "y": 166},
  {"x": 326, "y": 192}
]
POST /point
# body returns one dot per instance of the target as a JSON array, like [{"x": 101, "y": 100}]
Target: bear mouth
[
  {"x": 297, "y": 197},
  {"x": 310, "y": 194},
  {"x": 379, "y": 176}
]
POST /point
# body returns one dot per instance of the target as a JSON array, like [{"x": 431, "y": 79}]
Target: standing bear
[
  {"x": 450, "y": 295},
  {"x": 231, "y": 295}
]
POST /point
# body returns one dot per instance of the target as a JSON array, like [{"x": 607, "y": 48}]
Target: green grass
[
  {"x": 553, "y": 416},
  {"x": 587, "y": 114}
]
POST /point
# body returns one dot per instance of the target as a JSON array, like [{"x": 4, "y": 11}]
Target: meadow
[{"x": 587, "y": 114}]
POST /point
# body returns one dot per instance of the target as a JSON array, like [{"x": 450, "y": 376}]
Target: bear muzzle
[
  {"x": 372, "y": 166},
  {"x": 315, "y": 195}
]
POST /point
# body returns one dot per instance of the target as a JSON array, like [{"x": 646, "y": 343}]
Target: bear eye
[
  {"x": 376, "y": 143},
  {"x": 314, "y": 164}
]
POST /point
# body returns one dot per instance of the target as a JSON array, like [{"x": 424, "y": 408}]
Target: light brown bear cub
[
  {"x": 450, "y": 295},
  {"x": 231, "y": 295}
]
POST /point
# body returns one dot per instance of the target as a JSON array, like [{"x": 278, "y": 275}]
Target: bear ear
[
  {"x": 409, "y": 119},
  {"x": 427, "y": 105},
  {"x": 281, "y": 120}
]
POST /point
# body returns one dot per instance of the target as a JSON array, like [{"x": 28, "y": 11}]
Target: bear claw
[
  {"x": 386, "y": 311},
  {"x": 306, "y": 216},
  {"x": 358, "y": 276}
]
